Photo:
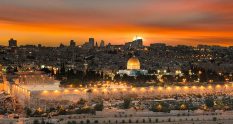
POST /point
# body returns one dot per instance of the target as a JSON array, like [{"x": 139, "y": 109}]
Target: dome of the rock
[{"x": 133, "y": 63}]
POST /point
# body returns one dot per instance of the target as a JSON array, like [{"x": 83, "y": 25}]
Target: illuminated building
[
  {"x": 133, "y": 68},
  {"x": 37, "y": 90},
  {"x": 133, "y": 63}
]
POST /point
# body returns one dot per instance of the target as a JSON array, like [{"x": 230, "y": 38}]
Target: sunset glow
[{"x": 172, "y": 22}]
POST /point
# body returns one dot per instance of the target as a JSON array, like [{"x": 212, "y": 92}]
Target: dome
[{"x": 133, "y": 63}]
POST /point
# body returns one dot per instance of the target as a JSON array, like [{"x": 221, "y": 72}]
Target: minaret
[{"x": 96, "y": 44}]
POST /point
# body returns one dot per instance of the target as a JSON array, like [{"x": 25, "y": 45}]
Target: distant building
[
  {"x": 72, "y": 43},
  {"x": 109, "y": 45},
  {"x": 62, "y": 45},
  {"x": 96, "y": 44},
  {"x": 102, "y": 44},
  {"x": 158, "y": 45},
  {"x": 91, "y": 42},
  {"x": 12, "y": 43},
  {"x": 137, "y": 43}
]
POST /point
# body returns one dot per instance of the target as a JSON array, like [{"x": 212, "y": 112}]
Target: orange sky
[{"x": 173, "y": 22}]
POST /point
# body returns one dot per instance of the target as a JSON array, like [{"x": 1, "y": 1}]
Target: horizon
[
  {"x": 67, "y": 43},
  {"x": 171, "y": 22}
]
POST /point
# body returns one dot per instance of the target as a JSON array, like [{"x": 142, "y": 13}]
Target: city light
[
  {"x": 178, "y": 71},
  {"x": 56, "y": 91}
]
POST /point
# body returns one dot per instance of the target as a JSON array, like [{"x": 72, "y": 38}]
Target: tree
[
  {"x": 209, "y": 102},
  {"x": 150, "y": 120},
  {"x": 28, "y": 111},
  {"x": 130, "y": 121},
  {"x": 127, "y": 102},
  {"x": 96, "y": 121},
  {"x": 36, "y": 122},
  {"x": 99, "y": 106},
  {"x": 169, "y": 120},
  {"x": 42, "y": 121},
  {"x": 191, "y": 106},
  {"x": 143, "y": 120},
  {"x": 46, "y": 70},
  {"x": 214, "y": 119},
  {"x": 183, "y": 106},
  {"x": 160, "y": 107},
  {"x": 82, "y": 102},
  {"x": 88, "y": 121},
  {"x": 156, "y": 120}
]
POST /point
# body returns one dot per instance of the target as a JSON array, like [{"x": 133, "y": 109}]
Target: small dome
[{"x": 133, "y": 63}]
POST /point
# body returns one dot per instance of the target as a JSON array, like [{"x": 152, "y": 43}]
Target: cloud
[{"x": 212, "y": 18}]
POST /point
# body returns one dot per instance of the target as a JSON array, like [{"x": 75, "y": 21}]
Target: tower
[
  {"x": 91, "y": 42},
  {"x": 12, "y": 43},
  {"x": 96, "y": 44},
  {"x": 102, "y": 44},
  {"x": 72, "y": 43}
]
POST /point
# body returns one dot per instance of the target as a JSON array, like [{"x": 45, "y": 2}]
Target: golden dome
[{"x": 133, "y": 63}]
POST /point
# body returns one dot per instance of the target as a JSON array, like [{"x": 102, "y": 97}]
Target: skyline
[
  {"x": 171, "y": 22},
  {"x": 68, "y": 43}
]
